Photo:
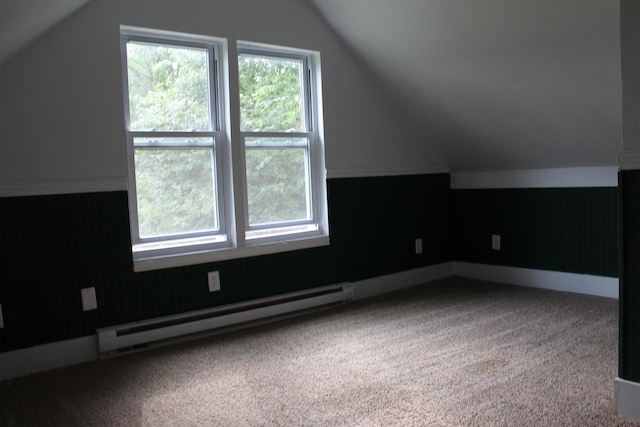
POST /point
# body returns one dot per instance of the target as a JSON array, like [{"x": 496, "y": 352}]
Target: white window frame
[
  {"x": 229, "y": 148},
  {"x": 147, "y": 247},
  {"x": 305, "y": 227}
]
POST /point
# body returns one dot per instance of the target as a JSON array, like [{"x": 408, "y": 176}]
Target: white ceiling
[
  {"x": 22, "y": 21},
  {"x": 503, "y": 84},
  {"x": 498, "y": 84}
]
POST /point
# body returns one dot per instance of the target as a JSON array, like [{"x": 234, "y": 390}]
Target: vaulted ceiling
[
  {"x": 497, "y": 84},
  {"x": 502, "y": 84},
  {"x": 22, "y": 21}
]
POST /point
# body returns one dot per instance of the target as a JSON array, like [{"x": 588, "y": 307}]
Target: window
[
  {"x": 199, "y": 193},
  {"x": 276, "y": 122}
]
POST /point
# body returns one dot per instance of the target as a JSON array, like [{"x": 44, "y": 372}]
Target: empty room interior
[{"x": 231, "y": 170}]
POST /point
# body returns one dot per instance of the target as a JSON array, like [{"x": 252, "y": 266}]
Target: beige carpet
[{"x": 455, "y": 352}]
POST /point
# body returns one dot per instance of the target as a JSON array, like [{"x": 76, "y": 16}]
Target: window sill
[{"x": 169, "y": 261}]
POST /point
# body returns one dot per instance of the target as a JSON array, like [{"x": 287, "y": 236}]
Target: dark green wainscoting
[
  {"x": 375, "y": 221},
  {"x": 629, "y": 366},
  {"x": 559, "y": 229},
  {"x": 53, "y": 246}
]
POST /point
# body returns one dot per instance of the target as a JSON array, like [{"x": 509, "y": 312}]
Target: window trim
[{"x": 230, "y": 160}]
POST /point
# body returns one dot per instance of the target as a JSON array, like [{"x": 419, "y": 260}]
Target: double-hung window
[
  {"x": 173, "y": 123},
  {"x": 198, "y": 192},
  {"x": 277, "y": 123}
]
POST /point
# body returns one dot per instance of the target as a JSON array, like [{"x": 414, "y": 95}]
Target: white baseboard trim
[
  {"x": 44, "y": 357},
  {"x": 543, "y": 279},
  {"x": 396, "y": 281},
  {"x": 627, "y": 398}
]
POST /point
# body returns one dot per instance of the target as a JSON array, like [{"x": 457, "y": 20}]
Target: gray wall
[
  {"x": 629, "y": 366},
  {"x": 630, "y": 50},
  {"x": 506, "y": 85},
  {"x": 62, "y": 110}
]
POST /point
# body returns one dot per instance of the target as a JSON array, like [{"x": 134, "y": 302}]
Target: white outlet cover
[
  {"x": 89, "y": 301},
  {"x": 1, "y": 318},
  {"x": 495, "y": 242},
  {"x": 418, "y": 246},
  {"x": 214, "y": 281}
]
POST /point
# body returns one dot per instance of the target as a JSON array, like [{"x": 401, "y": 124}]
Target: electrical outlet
[
  {"x": 418, "y": 246},
  {"x": 214, "y": 281},
  {"x": 1, "y": 318},
  {"x": 89, "y": 301},
  {"x": 495, "y": 242}
]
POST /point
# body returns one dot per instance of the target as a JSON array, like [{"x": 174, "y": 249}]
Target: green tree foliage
[
  {"x": 271, "y": 97},
  {"x": 174, "y": 191},
  {"x": 271, "y": 100},
  {"x": 276, "y": 184},
  {"x": 169, "y": 91},
  {"x": 168, "y": 88}
]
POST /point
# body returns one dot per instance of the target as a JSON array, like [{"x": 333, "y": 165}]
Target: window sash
[
  {"x": 310, "y": 216},
  {"x": 218, "y": 234},
  {"x": 274, "y": 231},
  {"x": 185, "y": 42},
  {"x": 308, "y": 112}
]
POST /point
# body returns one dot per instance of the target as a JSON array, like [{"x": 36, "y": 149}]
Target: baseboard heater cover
[{"x": 117, "y": 339}]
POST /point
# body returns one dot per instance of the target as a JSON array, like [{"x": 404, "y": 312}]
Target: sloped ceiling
[
  {"x": 22, "y": 21},
  {"x": 497, "y": 84},
  {"x": 501, "y": 84}
]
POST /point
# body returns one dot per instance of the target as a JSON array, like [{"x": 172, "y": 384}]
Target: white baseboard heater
[{"x": 138, "y": 335}]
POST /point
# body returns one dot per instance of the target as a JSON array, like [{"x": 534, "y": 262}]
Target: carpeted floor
[{"x": 454, "y": 352}]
